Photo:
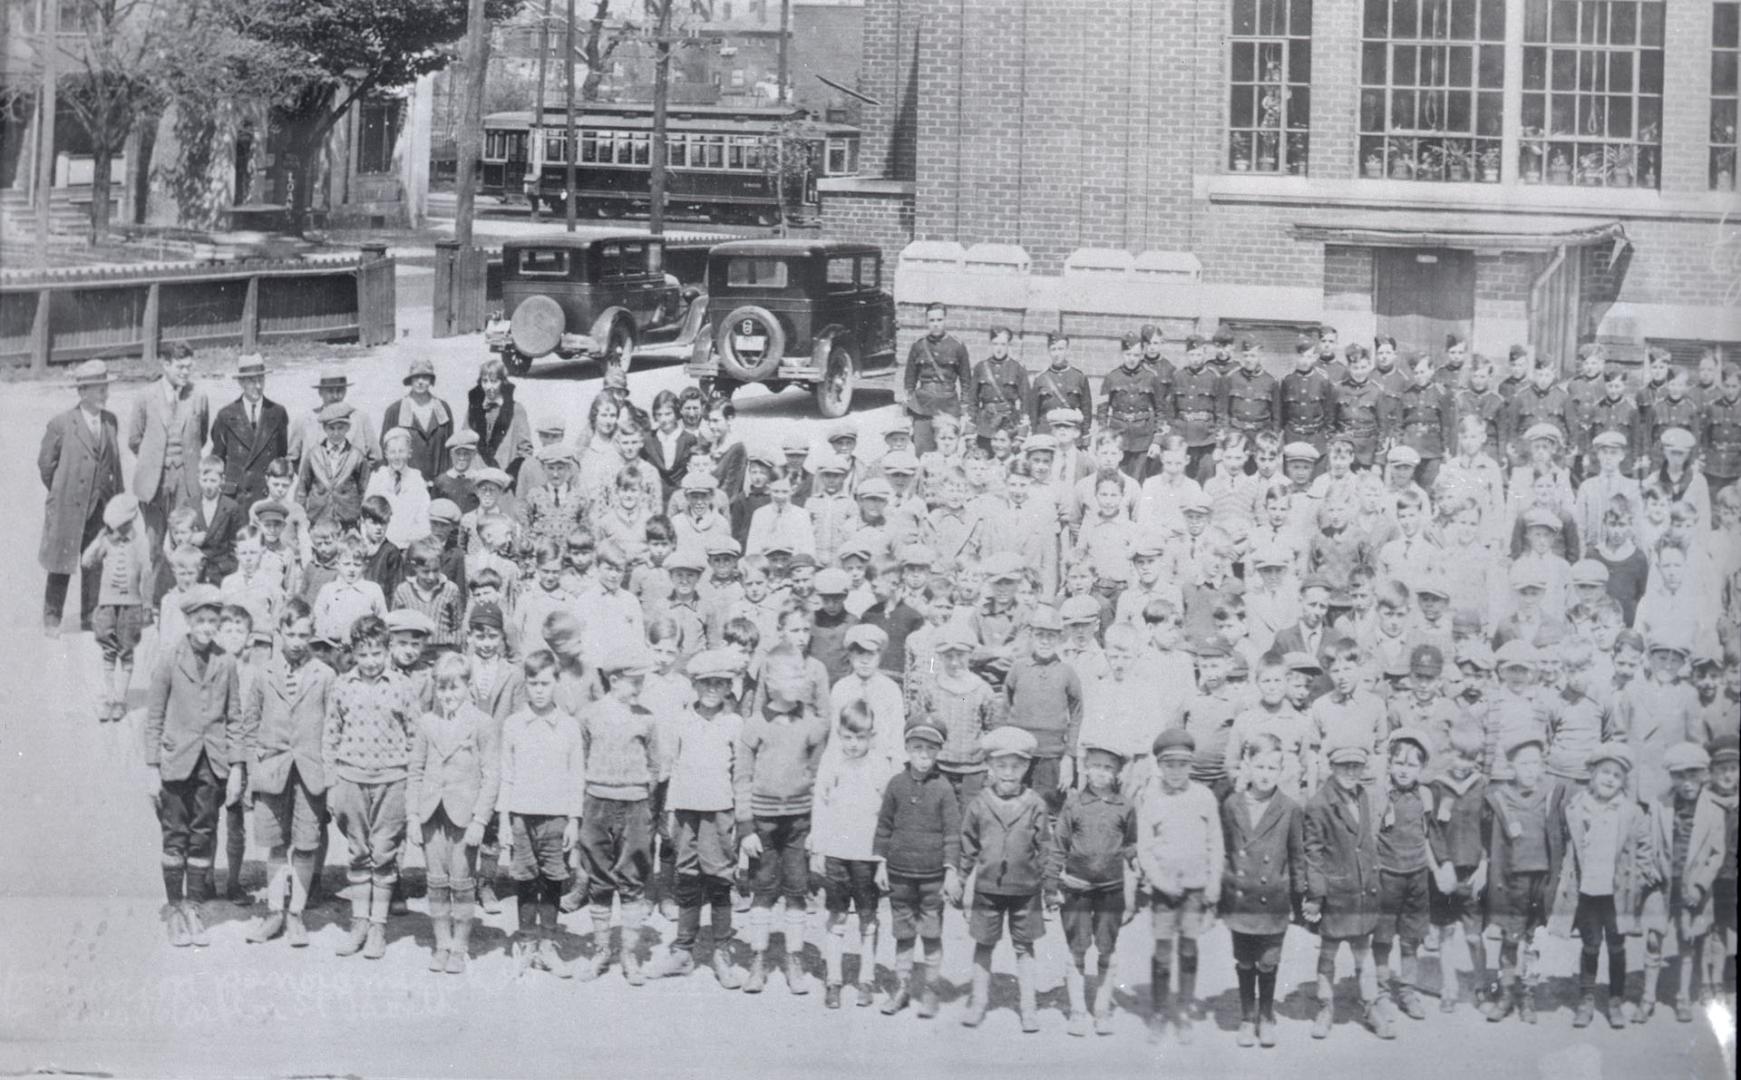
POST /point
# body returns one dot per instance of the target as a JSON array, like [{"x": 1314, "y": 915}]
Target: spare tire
[
  {"x": 735, "y": 342},
  {"x": 537, "y": 325}
]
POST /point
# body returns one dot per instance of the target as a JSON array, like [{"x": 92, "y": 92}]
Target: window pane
[
  {"x": 1462, "y": 19},
  {"x": 1245, "y": 17},
  {"x": 840, "y": 274},
  {"x": 1244, "y": 62},
  {"x": 1403, "y": 67},
  {"x": 1372, "y": 67},
  {"x": 1726, "y": 26},
  {"x": 1300, "y": 18},
  {"x": 1377, "y": 18},
  {"x": 1300, "y": 62},
  {"x": 1492, "y": 20},
  {"x": 1623, "y": 28},
  {"x": 1723, "y": 73},
  {"x": 1650, "y": 33},
  {"x": 1565, "y": 21},
  {"x": 1535, "y": 20}
]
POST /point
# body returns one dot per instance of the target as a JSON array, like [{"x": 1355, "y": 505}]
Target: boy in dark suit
[
  {"x": 1341, "y": 846},
  {"x": 217, "y": 520}
]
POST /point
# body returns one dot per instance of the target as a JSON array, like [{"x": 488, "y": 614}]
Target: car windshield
[
  {"x": 544, "y": 263},
  {"x": 760, "y": 273}
]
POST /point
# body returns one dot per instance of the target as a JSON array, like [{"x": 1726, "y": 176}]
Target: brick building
[{"x": 1544, "y": 170}]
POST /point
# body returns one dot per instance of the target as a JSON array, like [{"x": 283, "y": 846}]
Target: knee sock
[
  {"x": 1266, "y": 994},
  {"x": 794, "y": 932},
  {"x": 1161, "y": 975},
  {"x": 235, "y": 845},
  {"x": 301, "y": 879},
  {"x": 1508, "y": 950},
  {"x": 904, "y": 957},
  {"x": 528, "y": 894},
  {"x": 1187, "y": 970},
  {"x": 1364, "y": 973},
  {"x": 1381, "y": 963},
  {"x": 1616, "y": 969},
  {"x": 760, "y": 921},
  {"x": 551, "y": 906},
  {"x": 867, "y": 954},
  {"x": 601, "y": 923},
  {"x": 1588, "y": 961},
  {"x": 1326, "y": 972},
  {"x": 1477, "y": 954},
  {"x": 174, "y": 875},
  {"x": 720, "y": 904},
  {"x": 833, "y": 945},
  {"x": 461, "y": 893},
  {"x": 686, "y": 892},
  {"x": 1406, "y": 967},
  {"x": 199, "y": 882},
  {"x": 1247, "y": 977}
]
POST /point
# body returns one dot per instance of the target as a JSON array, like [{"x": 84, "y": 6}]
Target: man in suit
[
  {"x": 249, "y": 433},
  {"x": 308, "y": 432},
  {"x": 166, "y": 431},
  {"x": 80, "y": 464}
]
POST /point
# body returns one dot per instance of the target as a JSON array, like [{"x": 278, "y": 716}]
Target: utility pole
[
  {"x": 471, "y": 124},
  {"x": 48, "y": 44},
  {"x": 661, "y": 101},
  {"x": 535, "y": 152},
  {"x": 573, "y": 148},
  {"x": 785, "y": 46}
]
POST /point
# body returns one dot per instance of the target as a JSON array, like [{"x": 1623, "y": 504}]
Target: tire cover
[
  {"x": 537, "y": 326},
  {"x": 739, "y": 368}
]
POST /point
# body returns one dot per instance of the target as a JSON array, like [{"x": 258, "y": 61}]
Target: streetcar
[{"x": 726, "y": 164}]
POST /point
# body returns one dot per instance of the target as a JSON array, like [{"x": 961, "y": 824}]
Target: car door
[
  {"x": 876, "y": 315},
  {"x": 839, "y": 301}
]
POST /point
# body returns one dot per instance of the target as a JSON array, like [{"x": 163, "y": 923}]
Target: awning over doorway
[{"x": 1467, "y": 232}]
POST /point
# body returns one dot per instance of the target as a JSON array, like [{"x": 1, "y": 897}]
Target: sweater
[
  {"x": 918, "y": 825},
  {"x": 1094, "y": 838},
  {"x": 622, "y": 750},
  {"x": 368, "y": 728},
  {"x": 1046, "y": 701},
  {"x": 703, "y": 761},
  {"x": 1178, "y": 839},
  {"x": 778, "y": 754},
  {"x": 543, "y": 767}
]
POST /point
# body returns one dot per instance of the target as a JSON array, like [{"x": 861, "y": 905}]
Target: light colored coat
[
  {"x": 1704, "y": 859},
  {"x": 1636, "y": 867},
  {"x": 455, "y": 766},
  {"x": 82, "y": 472},
  {"x": 281, "y": 730},
  {"x": 148, "y": 438}
]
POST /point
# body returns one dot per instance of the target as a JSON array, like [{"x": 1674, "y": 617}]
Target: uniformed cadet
[
  {"x": 1479, "y": 399},
  {"x": 1519, "y": 361},
  {"x": 1197, "y": 407},
  {"x": 998, "y": 390},
  {"x": 1393, "y": 377},
  {"x": 1221, "y": 353},
  {"x": 1721, "y": 432},
  {"x": 1138, "y": 406},
  {"x": 1359, "y": 409},
  {"x": 1658, "y": 366},
  {"x": 1590, "y": 383},
  {"x": 1539, "y": 402},
  {"x": 1671, "y": 406},
  {"x": 1450, "y": 373},
  {"x": 1308, "y": 398},
  {"x": 1426, "y": 420},
  {"x": 1060, "y": 386},
  {"x": 1615, "y": 411},
  {"x": 937, "y": 377},
  {"x": 1153, "y": 339},
  {"x": 1329, "y": 360},
  {"x": 1251, "y": 398}
]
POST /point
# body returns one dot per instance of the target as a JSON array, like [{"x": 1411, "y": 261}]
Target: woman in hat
[
  {"x": 425, "y": 417},
  {"x": 504, "y": 429},
  {"x": 80, "y": 465}
]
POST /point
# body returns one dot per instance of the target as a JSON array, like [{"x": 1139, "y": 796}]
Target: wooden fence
[{"x": 65, "y": 316}]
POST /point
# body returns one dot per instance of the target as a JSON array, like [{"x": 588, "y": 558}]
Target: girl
[
  {"x": 600, "y": 459},
  {"x": 1264, "y": 840},
  {"x": 503, "y": 428},
  {"x": 404, "y": 489},
  {"x": 670, "y": 444}
]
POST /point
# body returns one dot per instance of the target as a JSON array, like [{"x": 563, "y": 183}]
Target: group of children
[{"x": 658, "y": 670}]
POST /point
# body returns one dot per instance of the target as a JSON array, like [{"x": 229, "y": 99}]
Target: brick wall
[
  {"x": 883, "y": 219},
  {"x": 1347, "y": 277},
  {"x": 889, "y": 74}
]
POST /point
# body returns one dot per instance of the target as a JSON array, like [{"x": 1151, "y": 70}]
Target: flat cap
[
  {"x": 1610, "y": 751},
  {"x": 1008, "y": 741},
  {"x": 832, "y": 582},
  {"x": 407, "y": 621},
  {"x": 1589, "y": 572},
  {"x": 713, "y": 664},
  {"x": 120, "y": 509},
  {"x": 1685, "y": 755},
  {"x": 1678, "y": 438},
  {"x": 1412, "y": 735},
  {"x": 686, "y": 558},
  {"x": 1404, "y": 455},
  {"x": 1045, "y": 617},
  {"x": 1347, "y": 753},
  {"x": 1175, "y": 743},
  {"x": 485, "y": 614},
  {"x": 1067, "y": 417},
  {"x": 699, "y": 481},
  {"x": 550, "y": 453},
  {"x": 1300, "y": 451},
  {"x": 875, "y": 487},
  {"x": 867, "y": 636},
  {"x": 489, "y": 474},
  {"x": 723, "y": 545},
  {"x": 201, "y": 596},
  {"x": 1609, "y": 440},
  {"x": 1516, "y": 653},
  {"x": 1543, "y": 431},
  {"x": 1076, "y": 609},
  {"x": 337, "y": 411},
  {"x": 925, "y": 729},
  {"x": 1037, "y": 443},
  {"x": 444, "y": 510},
  {"x": 899, "y": 463},
  {"x": 463, "y": 439}
]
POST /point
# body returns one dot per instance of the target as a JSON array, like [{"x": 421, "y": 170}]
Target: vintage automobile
[
  {"x": 811, "y": 313},
  {"x": 606, "y": 298}
]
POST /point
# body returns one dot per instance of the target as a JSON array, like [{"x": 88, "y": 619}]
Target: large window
[
  {"x": 1270, "y": 96},
  {"x": 378, "y": 120},
  {"x": 1432, "y": 75},
  {"x": 1592, "y": 92},
  {"x": 1725, "y": 54}
]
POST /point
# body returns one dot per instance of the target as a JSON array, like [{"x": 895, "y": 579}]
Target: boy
[
  {"x": 365, "y": 753},
  {"x": 543, "y": 780},
  {"x": 622, "y": 764},
  {"x": 331, "y": 475},
  {"x": 1209, "y": 715},
  {"x": 1458, "y": 871},
  {"x": 124, "y": 555},
  {"x": 283, "y": 719},
  {"x": 427, "y": 591},
  {"x": 236, "y": 636},
  {"x": 703, "y": 761},
  {"x": 254, "y": 585},
  {"x": 849, "y": 797},
  {"x": 1689, "y": 835},
  {"x": 779, "y": 750},
  {"x": 1342, "y": 882},
  {"x": 325, "y": 537},
  {"x": 1264, "y": 842},
  {"x": 959, "y": 704},
  {"x": 1523, "y": 845},
  {"x": 865, "y": 682},
  {"x": 451, "y": 789},
  {"x": 918, "y": 843},
  {"x": 217, "y": 517},
  {"x": 1349, "y": 714},
  {"x": 1004, "y": 839},
  {"x": 1045, "y": 700},
  {"x": 1180, "y": 857},
  {"x": 193, "y": 737},
  {"x": 1095, "y": 838},
  {"x": 1403, "y": 810},
  {"x": 342, "y": 602},
  {"x": 1725, "y": 773}
]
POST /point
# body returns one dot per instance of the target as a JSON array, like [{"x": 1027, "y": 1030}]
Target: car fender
[
  {"x": 695, "y": 325},
  {"x": 822, "y": 343},
  {"x": 607, "y": 319}
]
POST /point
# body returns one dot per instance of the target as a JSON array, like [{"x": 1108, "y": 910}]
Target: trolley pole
[
  {"x": 573, "y": 148},
  {"x": 785, "y": 46},
  {"x": 535, "y": 152},
  {"x": 661, "y": 101}
]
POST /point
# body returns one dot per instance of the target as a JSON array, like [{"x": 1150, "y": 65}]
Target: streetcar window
[
  {"x": 589, "y": 146},
  {"x": 677, "y": 151},
  {"x": 870, "y": 272},
  {"x": 543, "y": 263},
  {"x": 643, "y": 144},
  {"x": 555, "y": 148},
  {"x": 495, "y": 146},
  {"x": 765, "y": 273},
  {"x": 734, "y": 157},
  {"x": 753, "y": 155},
  {"x": 714, "y": 146},
  {"x": 840, "y": 274}
]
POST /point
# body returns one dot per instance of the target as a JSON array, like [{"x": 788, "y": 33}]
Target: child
[
  {"x": 216, "y": 519},
  {"x": 1004, "y": 841},
  {"x": 1273, "y": 717},
  {"x": 1210, "y": 713},
  {"x": 254, "y": 585},
  {"x": 1688, "y": 842},
  {"x": 454, "y": 779},
  {"x": 703, "y": 757},
  {"x": 236, "y": 637},
  {"x": 616, "y": 834},
  {"x": 193, "y": 734},
  {"x": 917, "y": 843},
  {"x": 1342, "y": 882},
  {"x": 1403, "y": 811},
  {"x": 543, "y": 779},
  {"x": 331, "y": 476},
  {"x": 458, "y": 483},
  {"x": 366, "y": 750},
  {"x": 1179, "y": 854},
  {"x": 324, "y": 540},
  {"x": 865, "y": 682},
  {"x": 1608, "y": 868},
  {"x": 124, "y": 554},
  {"x": 779, "y": 750},
  {"x": 1045, "y": 700},
  {"x": 555, "y": 508},
  {"x": 404, "y": 488},
  {"x": 1725, "y": 772},
  {"x": 1522, "y": 845},
  {"x": 848, "y": 800},
  {"x": 425, "y": 590},
  {"x": 1095, "y": 838},
  {"x": 283, "y": 718},
  {"x": 1264, "y": 840},
  {"x": 342, "y": 602},
  {"x": 1349, "y": 714},
  {"x": 177, "y": 533}
]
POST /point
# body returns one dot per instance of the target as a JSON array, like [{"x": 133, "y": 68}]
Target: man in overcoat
[
  {"x": 249, "y": 433},
  {"x": 80, "y": 465}
]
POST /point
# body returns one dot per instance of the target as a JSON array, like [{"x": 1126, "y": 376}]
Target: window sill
[{"x": 1504, "y": 197}]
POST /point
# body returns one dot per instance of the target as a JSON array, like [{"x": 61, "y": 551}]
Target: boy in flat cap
[
  {"x": 1523, "y": 846},
  {"x": 1342, "y": 883},
  {"x": 1689, "y": 829},
  {"x": 1179, "y": 854},
  {"x": 121, "y": 557},
  {"x": 1094, "y": 840},
  {"x": 917, "y": 840},
  {"x": 1404, "y": 810}
]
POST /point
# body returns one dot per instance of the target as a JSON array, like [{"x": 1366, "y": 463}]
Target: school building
[{"x": 1551, "y": 171}]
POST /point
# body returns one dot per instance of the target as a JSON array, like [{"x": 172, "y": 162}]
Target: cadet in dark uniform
[
  {"x": 1616, "y": 411},
  {"x": 1540, "y": 402},
  {"x": 937, "y": 377},
  {"x": 1477, "y": 398},
  {"x": 1329, "y": 340},
  {"x": 1671, "y": 407},
  {"x": 1426, "y": 420},
  {"x": 1308, "y": 399},
  {"x": 1060, "y": 386},
  {"x": 1450, "y": 373},
  {"x": 1221, "y": 359},
  {"x": 1720, "y": 434},
  {"x": 1197, "y": 407},
  {"x": 1360, "y": 410},
  {"x": 998, "y": 390},
  {"x": 1251, "y": 398},
  {"x": 1393, "y": 378},
  {"x": 1152, "y": 358},
  {"x": 1518, "y": 363},
  {"x": 1138, "y": 406},
  {"x": 1591, "y": 382}
]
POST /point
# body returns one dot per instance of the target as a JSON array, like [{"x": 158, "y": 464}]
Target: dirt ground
[{"x": 89, "y": 984}]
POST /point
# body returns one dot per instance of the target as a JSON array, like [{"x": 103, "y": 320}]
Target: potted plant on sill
[
  {"x": 1531, "y": 152},
  {"x": 1374, "y": 169},
  {"x": 1266, "y": 152},
  {"x": 1592, "y": 168},
  {"x": 1559, "y": 168},
  {"x": 1402, "y": 159},
  {"x": 1242, "y": 152},
  {"x": 1489, "y": 162},
  {"x": 1432, "y": 163},
  {"x": 1458, "y": 161},
  {"x": 1297, "y": 153},
  {"x": 1617, "y": 163}
]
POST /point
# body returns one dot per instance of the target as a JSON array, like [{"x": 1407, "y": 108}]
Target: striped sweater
[{"x": 778, "y": 754}]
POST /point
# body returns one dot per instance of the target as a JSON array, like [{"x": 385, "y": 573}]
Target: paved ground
[{"x": 88, "y": 984}]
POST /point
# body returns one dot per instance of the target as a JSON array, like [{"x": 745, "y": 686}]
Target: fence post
[
  {"x": 41, "y": 338},
  {"x": 152, "y": 321},
  {"x": 251, "y": 316},
  {"x": 446, "y": 254},
  {"x": 377, "y": 322}
]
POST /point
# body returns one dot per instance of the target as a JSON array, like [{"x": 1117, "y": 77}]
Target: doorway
[{"x": 1422, "y": 294}]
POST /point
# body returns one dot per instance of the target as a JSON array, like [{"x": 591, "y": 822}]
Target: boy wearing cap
[
  {"x": 1403, "y": 809},
  {"x": 848, "y": 798},
  {"x": 1725, "y": 753},
  {"x": 1523, "y": 845},
  {"x": 1342, "y": 882},
  {"x": 1609, "y": 867},
  {"x": 917, "y": 843},
  {"x": 1655, "y": 713},
  {"x": 458, "y": 482},
  {"x": 195, "y": 756},
  {"x": 864, "y": 681},
  {"x": 555, "y": 508},
  {"x": 1180, "y": 858},
  {"x": 1005, "y": 835},
  {"x": 1094, "y": 840},
  {"x": 1209, "y": 714},
  {"x": 1689, "y": 836},
  {"x": 120, "y": 555},
  {"x": 333, "y": 472},
  {"x": 1045, "y": 700},
  {"x": 961, "y": 705}
]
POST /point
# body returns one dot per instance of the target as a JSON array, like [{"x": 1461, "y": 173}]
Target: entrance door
[{"x": 1423, "y": 294}]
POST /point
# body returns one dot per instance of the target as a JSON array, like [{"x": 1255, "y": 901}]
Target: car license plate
[{"x": 750, "y": 342}]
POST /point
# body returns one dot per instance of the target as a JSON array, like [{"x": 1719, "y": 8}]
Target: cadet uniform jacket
[
  {"x": 1427, "y": 420},
  {"x": 997, "y": 392},
  {"x": 1603, "y": 415},
  {"x": 1197, "y": 404},
  {"x": 1308, "y": 407},
  {"x": 1138, "y": 405},
  {"x": 938, "y": 375},
  {"x": 1361, "y": 411},
  {"x": 1531, "y": 406},
  {"x": 1251, "y": 403},
  {"x": 1720, "y": 436},
  {"x": 1054, "y": 389}
]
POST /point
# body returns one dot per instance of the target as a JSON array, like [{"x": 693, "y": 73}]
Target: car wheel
[
  {"x": 750, "y": 343},
  {"x": 517, "y": 362},
  {"x": 619, "y": 348},
  {"x": 834, "y": 392}
]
